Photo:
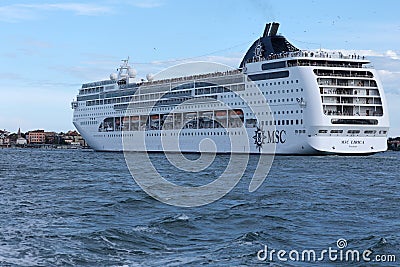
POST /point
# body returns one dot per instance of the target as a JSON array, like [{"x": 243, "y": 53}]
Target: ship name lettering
[
  {"x": 276, "y": 136},
  {"x": 353, "y": 142}
]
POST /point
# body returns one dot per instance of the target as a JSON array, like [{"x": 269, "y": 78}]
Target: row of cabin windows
[
  {"x": 247, "y": 114},
  {"x": 180, "y": 134},
  {"x": 275, "y": 112},
  {"x": 128, "y": 99},
  {"x": 195, "y": 133},
  {"x": 271, "y": 84},
  {"x": 282, "y": 122},
  {"x": 350, "y": 131}
]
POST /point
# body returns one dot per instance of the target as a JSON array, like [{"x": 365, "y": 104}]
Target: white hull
[{"x": 293, "y": 144}]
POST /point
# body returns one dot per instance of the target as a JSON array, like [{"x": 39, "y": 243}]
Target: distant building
[
  {"x": 4, "y": 138},
  {"x": 50, "y": 137},
  {"x": 394, "y": 143},
  {"x": 4, "y": 133},
  {"x": 36, "y": 137},
  {"x": 20, "y": 140},
  {"x": 74, "y": 138}
]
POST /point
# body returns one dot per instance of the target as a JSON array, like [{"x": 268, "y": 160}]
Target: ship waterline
[{"x": 281, "y": 100}]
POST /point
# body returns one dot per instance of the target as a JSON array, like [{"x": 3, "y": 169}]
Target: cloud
[
  {"x": 20, "y": 12},
  {"x": 390, "y": 80},
  {"x": 77, "y": 8},
  {"x": 146, "y": 3},
  {"x": 392, "y": 54}
]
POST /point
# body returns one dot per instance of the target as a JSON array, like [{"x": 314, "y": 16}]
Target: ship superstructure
[{"x": 281, "y": 99}]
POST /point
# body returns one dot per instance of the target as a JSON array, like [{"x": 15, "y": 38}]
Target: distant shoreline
[{"x": 45, "y": 146}]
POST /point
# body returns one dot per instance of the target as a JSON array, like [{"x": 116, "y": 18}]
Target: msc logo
[
  {"x": 275, "y": 136},
  {"x": 259, "y": 138}
]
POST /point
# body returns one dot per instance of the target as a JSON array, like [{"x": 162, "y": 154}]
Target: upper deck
[{"x": 308, "y": 58}]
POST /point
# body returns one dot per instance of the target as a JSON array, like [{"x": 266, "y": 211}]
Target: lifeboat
[
  {"x": 238, "y": 112},
  {"x": 135, "y": 119},
  {"x": 207, "y": 114},
  {"x": 155, "y": 117},
  {"x": 220, "y": 114},
  {"x": 235, "y": 114},
  {"x": 189, "y": 116}
]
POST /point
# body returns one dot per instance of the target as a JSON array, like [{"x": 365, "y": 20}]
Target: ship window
[
  {"x": 354, "y": 121},
  {"x": 353, "y": 131},
  {"x": 336, "y": 131},
  {"x": 369, "y": 132},
  {"x": 323, "y": 131},
  {"x": 275, "y": 65}
]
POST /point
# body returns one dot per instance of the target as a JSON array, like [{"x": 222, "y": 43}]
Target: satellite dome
[
  {"x": 150, "y": 77},
  {"x": 132, "y": 73},
  {"x": 113, "y": 76}
]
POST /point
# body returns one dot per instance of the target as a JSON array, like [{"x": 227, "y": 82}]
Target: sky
[{"x": 49, "y": 48}]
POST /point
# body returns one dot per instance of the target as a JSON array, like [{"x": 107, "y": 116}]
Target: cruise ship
[{"x": 280, "y": 100}]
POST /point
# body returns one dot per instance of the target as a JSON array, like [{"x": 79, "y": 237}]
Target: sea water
[{"x": 83, "y": 208}]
